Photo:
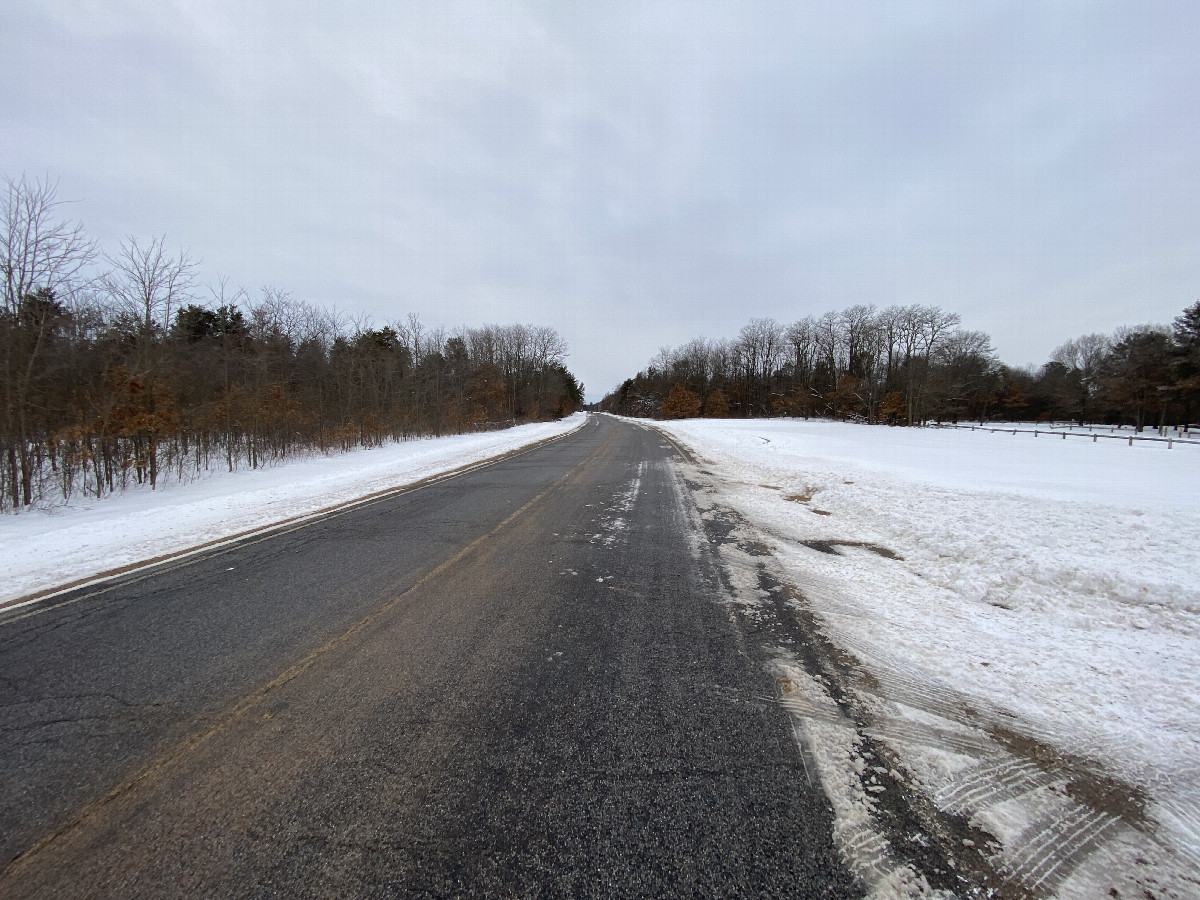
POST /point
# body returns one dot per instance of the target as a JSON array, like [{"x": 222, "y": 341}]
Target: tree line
[
  {"x": 910, "y": 365},
  {"x": 121, "y": 367}
]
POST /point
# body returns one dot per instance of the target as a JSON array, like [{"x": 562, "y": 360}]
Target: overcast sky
[{"x": 636, "y": 174}]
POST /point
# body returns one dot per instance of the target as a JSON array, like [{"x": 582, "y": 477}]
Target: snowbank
[
  {"x": 44, "y": 548},
  {"x": 1051, "y": 586}
]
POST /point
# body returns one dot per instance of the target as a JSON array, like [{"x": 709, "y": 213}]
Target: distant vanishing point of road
[{"x": 520, "y": 681}]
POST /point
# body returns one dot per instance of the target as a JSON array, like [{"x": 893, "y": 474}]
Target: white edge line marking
[{"x": 253, "y": 536}]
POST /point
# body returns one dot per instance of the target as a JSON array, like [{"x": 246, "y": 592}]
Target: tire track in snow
[
  {"x": 1186, "y": 821},
  {"x": 992, "y": 780},
  {"x": 974, "y": 760},
  {"x": 1054, "y": 846},
  {"x": 892, "y": 705},
  {"x": 932, "y": 736}
]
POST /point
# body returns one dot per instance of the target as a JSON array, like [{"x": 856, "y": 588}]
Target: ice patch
[{"x": 615, "y": 525}]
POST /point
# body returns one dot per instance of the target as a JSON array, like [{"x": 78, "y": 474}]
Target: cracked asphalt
[{"x": 520, "y": 681}]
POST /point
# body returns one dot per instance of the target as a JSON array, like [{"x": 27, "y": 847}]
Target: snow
[
  {"x": 48, "y": 547},
  {"x": 1012, "y": 599},
  {"x": 992, "y": 585}
]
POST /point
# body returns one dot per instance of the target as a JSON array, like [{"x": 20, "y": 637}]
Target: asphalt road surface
[{"x": 520, "y": 681}]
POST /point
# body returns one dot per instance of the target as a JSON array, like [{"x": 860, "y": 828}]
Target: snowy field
[
  {"x": 1021, "y": 618},
  {"x": 45, "y": 548}
]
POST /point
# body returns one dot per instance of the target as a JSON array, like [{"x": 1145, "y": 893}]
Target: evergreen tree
[{"x": 680, "y": 404}]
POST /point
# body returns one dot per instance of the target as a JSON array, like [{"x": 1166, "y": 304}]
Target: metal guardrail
[{"x": 1169, "y": 441}]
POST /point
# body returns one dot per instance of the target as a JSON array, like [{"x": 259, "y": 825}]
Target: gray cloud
[{"x": 635, "y": 174}]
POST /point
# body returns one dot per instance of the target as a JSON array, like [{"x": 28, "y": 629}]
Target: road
[{"x": 520, "y": 681}]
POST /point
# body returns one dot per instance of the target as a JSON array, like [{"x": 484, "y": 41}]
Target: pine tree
[
  {"x": 717, "y": 405},
  {"x": 680, "y": 404}
]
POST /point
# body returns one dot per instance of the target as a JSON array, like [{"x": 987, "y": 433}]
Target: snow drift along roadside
[
  {"x": 1026, "y": 613},
  {"x": 46, "y": 548}
]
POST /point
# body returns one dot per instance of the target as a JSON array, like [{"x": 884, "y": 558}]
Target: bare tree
[
  {"x": 39, "y": 250},
  {"x": 223, "y": 296},
  {"x": 965, "y": 372},
  {"x": 148, "y": 283},
  {"x": 43, "y": 261},
  {"x": 762, "y": 348},
  {"x": 862, "y": 334},
  {"x": 1083, "y": 360},
  {"x": 802, "y": 348},
  {"x": 548, "y": 346},
  {"x": 924, "y": 329},
  {"x": 827, "y": 340}
]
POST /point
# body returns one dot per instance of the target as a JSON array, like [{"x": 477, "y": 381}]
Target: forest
[
  {"x": 122, "y": 368},
  {"x": 913, "y": 365}
]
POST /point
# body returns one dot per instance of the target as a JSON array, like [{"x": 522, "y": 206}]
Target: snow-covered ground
[
  {"x": 45, "y": 548},
  {"x": 1021, "y": 617}
]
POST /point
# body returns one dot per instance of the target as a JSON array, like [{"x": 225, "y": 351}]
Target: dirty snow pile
[
  {"x": 43, "y": 548},
  {"x": 1009, "y": 595}
]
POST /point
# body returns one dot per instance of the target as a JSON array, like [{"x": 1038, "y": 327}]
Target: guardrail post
[{"x": 1130, "y": 441}]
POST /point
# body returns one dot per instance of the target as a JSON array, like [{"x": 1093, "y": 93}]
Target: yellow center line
[
  {"x": 163, "y": 763},
  {"x": 234, "y": 542}
]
